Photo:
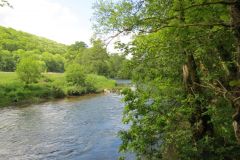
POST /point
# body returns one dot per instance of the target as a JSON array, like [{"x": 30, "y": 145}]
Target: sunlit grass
[
  {"x": 54, "y": 76},
  {"x": 51, "y": 85},
  {"x": 101, "y": 82},
  {"x": 8, "y": 77},
  {"x": 11, "y": 77}
]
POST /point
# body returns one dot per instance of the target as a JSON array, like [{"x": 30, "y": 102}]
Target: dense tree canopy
[
  {"x": 186, "y": 70},
  {"x": 94, "y": 59},
  {"x": 15, "y": 45},
  {"x": 13, "y": 40}
]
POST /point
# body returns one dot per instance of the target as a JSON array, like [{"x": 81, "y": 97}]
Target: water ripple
[{"x": 81, "y": 128}]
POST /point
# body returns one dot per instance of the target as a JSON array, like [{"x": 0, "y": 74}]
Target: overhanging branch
[
  {"x": 209, "y": 3},
  {"x": 194, "y": 25}
]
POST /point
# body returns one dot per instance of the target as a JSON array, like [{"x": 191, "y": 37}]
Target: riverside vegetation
[
  {"x": 49, "y": 86},
  {"x": 185, "y": 66},
  {"x": 35, "y": 68},
  {"x": 186, "y": 69}
]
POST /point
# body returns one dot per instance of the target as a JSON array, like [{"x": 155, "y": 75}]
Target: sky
[{"x": 64, "y": 21}]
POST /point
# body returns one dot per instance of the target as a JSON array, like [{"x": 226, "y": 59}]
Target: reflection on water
[{"x": 76, "y": 128}]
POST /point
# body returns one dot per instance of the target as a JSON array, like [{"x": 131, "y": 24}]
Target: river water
[{"x": 82, "y": 128}]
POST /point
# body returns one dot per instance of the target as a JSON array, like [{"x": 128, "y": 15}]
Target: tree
[
  {"x": 13, "y": 40},
  {"x": 54, "y": 63},
  {"x": 94, "y": 59},
  {"x": 7, "y": 61},
  {"x": 186, "y": 63},
  {"x": 78, "y": 46},
  {"x": 29, "y": 70},
  {"x": 75, "y": 75},
  {"x": 74, "y": 50},
  {"x": 118, "y": 67}
]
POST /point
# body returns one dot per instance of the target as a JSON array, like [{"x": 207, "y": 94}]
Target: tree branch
[
  {"x": 193, "y": 25},
  {"x": 209, "y": 3}
]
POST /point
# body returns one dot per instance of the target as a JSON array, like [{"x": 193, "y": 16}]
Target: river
[{"x": 83, "y": 128}]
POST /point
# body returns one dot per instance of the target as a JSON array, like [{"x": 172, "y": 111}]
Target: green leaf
[{"x": 234, "y": 83}]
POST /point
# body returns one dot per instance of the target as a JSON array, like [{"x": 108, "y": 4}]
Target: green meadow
[{"x": 51, "y": 85}]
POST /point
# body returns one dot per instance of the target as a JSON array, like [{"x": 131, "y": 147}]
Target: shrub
[
  {"x": 76, "y": 90},
  {"x": 99, "y": 83},
  {"x": 57, "y": 92},
  {"x": 29, "y": 70},
  {"x": 75, "y": 75}
]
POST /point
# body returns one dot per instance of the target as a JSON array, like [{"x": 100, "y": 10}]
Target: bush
[
  {"x": 76, "y": 90},
  {"x": 57, "y": 92},
  {"x": 99, "y": 83},
  {"x": 75, "y": 75},
  {"x": 18, "y": 92},
  {"x": 29, "y": 70}
]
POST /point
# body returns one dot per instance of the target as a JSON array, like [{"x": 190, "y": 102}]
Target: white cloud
[{"x": 45, "y": 18}]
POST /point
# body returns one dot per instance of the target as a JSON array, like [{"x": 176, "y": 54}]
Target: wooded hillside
[{"x": 13, "y": 40}]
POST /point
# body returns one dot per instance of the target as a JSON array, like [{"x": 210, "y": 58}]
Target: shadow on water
[{"x": 73, "y": 128}]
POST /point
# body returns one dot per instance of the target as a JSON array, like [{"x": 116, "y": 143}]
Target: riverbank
[{"x": 50, "y": 86}]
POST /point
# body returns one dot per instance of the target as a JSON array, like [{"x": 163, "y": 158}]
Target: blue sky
[{"x": 64, "y": 21}]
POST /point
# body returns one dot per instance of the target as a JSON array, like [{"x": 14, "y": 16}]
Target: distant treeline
[{"x": 55, "y": 57}]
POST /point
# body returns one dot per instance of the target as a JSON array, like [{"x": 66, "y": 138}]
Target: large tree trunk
[
  {"x": 232, "y": 75},
  {"x": 200, "y": 121}
]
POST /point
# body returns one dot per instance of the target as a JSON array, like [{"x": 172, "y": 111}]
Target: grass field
[
  {"x": 100, "y": 82},
  {"x": 9, "y": 77},
  {"x": 55, "y": 76},
  {"x": 51, "y": 85}
]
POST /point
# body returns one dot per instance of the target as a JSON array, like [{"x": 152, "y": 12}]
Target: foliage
[
  {"x": 16, "y": 45},
  {"x": 50, "y": 85},
  {"x": 20, "y": 93},
  {"x": 29, "y": 70},
  {"x": 54, "y": 62},
  {"x": 119, "y": 67},
  {"x": 74, "y": 50},
  {"x": 13, "y": 40},
  {"x": 75, "y": 75},
  {"x": 78, "y": 46},
  {"x": 185, "y": 67},
  {"x": 94, "y": 59},
  {"x": 7, "y": 61},
  {"x": 100, "y": 82}
]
